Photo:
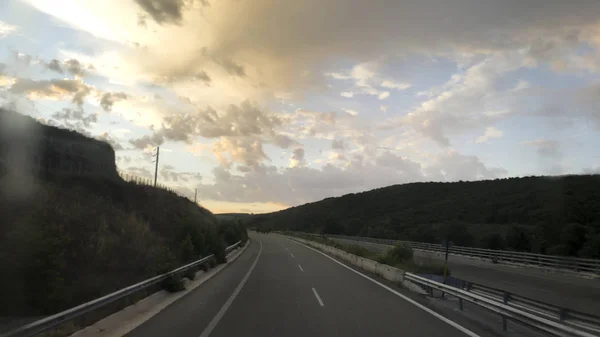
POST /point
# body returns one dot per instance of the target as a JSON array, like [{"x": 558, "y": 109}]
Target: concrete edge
[
  {"x": 123, "y": 321},
  {"x": 387, "y": 272}
]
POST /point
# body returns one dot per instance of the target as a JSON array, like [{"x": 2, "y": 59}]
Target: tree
[
  {"x": 573, "y": 237},
  {"x": 354, "y": 226},
  {"x": 457, "y": 233},
  {"x": 333, "y": 226},
  {"x": 591, "y": 248},
  {"x": 493, "y": 241},
  {"x": 519, "y": 239}
]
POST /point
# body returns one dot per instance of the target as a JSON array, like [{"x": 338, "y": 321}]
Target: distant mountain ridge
[{"x": 539, "y": 207}]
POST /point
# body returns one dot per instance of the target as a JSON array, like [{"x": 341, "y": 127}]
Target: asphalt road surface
[
  {"x": 280, "y": 288},
  {"x": 563, "y": 290}
]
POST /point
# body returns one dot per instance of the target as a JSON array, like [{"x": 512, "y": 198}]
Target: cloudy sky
[{"x": 266, "y": 104}]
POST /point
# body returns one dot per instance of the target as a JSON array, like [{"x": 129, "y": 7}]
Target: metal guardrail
[
  {"x": 506, "y": 311},
  {"x": 539, "y": 260},
  {"x": 50, "y": 322},
  {"x": 553, "y": 312}
]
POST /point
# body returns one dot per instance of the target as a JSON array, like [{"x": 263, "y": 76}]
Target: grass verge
[{"x": 400, "y": 256}]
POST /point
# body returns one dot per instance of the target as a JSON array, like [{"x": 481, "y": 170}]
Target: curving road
[{"x": 281, "y": 288}]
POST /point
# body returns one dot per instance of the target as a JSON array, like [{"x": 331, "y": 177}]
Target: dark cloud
[
  {"x": 108, "y": 99},
  {"x": 168, "y": 174},
  {"x": 163, "y": 11},
  {"x": 147, "y": 141},
  {"x": 283, "y": 141},
  {"x": 338, "y": 144},
  {"x": 74, "y": 67},
  {"x": 231, "y": 67},
  {"x": 185, "y": 75},
  {"x": 74, "y": 119},
  {"x": 242, "y": 120},
  {"x": 71, "y": 66},
  {"x": 77, "y": 116},
  {"x": 297, "y": 159},
  {"x": 55, "y": 66},
  {"x": 55, "y": 89}
]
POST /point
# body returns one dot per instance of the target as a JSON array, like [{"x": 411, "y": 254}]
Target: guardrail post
[
  {"x": 506, "y": 297},
  {"x": 562, "y": 314}
]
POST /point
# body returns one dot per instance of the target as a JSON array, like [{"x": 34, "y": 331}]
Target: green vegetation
[
  {"x": 548, "y": 215},
  {"x": 68, "y": 239},
  {"x": 400, "y": 256},
  {"x": 73, "y": 240}
]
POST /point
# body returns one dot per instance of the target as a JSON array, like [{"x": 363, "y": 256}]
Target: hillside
[
  {"x": 558, "y": 215},
  {"x": 71, "y": 233}
]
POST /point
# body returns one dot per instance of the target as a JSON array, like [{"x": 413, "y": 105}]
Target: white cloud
[
  {"x": 6, "y": 29},
  {"x": 545, "y": 147},
  {"x": 219, "y": 65},
  {"x": 469, "y": 100},
  {"x": 384, "y": 95},
  {"x": 395, "y": 85},
  {"x": 522, "y": 85},
  {"x": 296, "y": 185},
  {"x": 490, "y": 133},
  {"x": 338, "y": 76},
  {"x": 351, "y": 112}
]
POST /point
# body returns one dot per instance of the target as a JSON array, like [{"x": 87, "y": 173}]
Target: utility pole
[
  {"x": 156, "y": 167},
  {"x": 195, "y": 194}
]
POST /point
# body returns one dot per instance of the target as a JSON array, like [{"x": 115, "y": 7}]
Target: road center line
[
  {"x": 292, "y": 254},
  {"x": 317, "y": 296},
  {"x": 299, "y": 266},
  {"x": 420, "y": 306},
  {"x": 213, "y": 323}
]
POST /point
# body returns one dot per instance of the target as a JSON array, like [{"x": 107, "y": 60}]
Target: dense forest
[
  {"x": 65, "y": 240},
  {"x": 549, "y": 215}
]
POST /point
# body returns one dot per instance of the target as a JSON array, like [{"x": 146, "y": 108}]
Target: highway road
[
  {"x": 281, "y": 288},
  {"x": 563, "y": 290}
]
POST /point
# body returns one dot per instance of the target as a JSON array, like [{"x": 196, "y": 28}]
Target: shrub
[
  {"x": 399, "y": 255},
  {"x": 173, "y": 284},
  {"x": 359, "y": 250},
  {"x": 190, "y": 274}
]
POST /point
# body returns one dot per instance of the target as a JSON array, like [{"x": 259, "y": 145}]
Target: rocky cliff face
[{"x": 30, "y": 149}]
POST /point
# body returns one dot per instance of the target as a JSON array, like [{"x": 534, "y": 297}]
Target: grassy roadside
[{"x": 400, "y": 256}]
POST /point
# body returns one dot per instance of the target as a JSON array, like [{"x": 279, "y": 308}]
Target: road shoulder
[{"x": 129, "y": 318}]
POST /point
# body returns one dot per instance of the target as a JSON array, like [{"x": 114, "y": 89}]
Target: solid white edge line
[
  {"x": 299, "y": 266},
  {"x": 213, "y": 323},
  {"x": 420, "y": 306},
  {"x": 318, "y": 297}
]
